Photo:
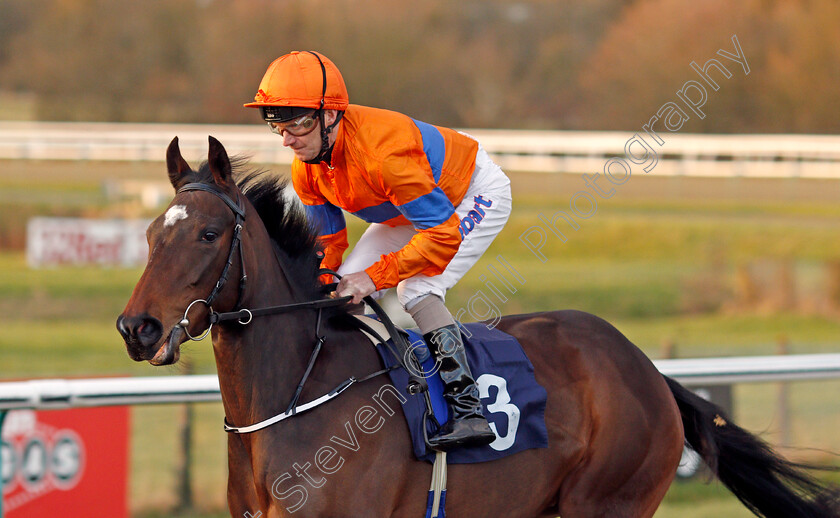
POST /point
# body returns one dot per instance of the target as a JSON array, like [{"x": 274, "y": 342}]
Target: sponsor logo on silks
[{"x": 474, "y": 216}]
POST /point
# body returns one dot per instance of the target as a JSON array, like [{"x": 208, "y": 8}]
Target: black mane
[{"x": 294, "y": 238}]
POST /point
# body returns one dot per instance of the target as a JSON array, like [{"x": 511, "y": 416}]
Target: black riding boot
[{"x": 467, "y": 426}]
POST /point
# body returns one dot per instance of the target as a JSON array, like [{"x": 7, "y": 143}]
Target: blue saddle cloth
[{"x": 513, "y": 401}]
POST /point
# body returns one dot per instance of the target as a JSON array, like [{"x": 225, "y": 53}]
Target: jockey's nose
[{"x": 288, "y": 139}]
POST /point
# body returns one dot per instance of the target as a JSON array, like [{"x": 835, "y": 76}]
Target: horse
[{"x": 616, "y": 426}]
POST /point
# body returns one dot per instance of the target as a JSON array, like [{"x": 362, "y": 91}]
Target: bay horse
[{"x": 616, "y": 426}]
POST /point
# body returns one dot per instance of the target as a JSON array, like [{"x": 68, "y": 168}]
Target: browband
[{"x": 235, "y": 207}]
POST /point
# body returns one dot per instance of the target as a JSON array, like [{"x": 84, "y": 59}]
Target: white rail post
[
  {"x": 783, "y": 397},
  {"x": 2, "y": 418}
]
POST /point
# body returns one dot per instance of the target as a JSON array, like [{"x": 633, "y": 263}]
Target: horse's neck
[{"x": 259, "y": 364}]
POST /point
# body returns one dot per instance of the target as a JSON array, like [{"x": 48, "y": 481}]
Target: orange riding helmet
[
  {"x": 302, "y": 80},
  {"x": 297, "y": 83}
]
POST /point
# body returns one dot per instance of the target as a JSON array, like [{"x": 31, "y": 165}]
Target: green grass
[
  {"x": 662, "y": 261},
  {"x": 700, "y": 500},
  {"x": 155, "y": 450},
  {"x": 733, "y": 335},
  {"x": 62, "y": 322}
]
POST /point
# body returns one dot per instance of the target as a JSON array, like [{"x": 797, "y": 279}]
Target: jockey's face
[{"x": 307, "y": 147}]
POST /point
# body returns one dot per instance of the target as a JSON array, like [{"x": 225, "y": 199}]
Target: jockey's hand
[{"x": 358, "y": 284}]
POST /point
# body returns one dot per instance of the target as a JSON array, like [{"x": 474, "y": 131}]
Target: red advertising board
[
  {"x": 79, "y": 241},
  {"x": 69, "y": 463}
]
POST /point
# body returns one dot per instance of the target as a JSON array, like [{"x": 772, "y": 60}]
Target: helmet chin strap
[{"x": 326, "y": 149}]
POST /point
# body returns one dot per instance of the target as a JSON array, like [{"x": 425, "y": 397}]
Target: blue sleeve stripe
[
  {"x": 428, "y": 210},
  {"x": 326, "y": 218},
  {"x": 378, "y": 213},
  {"x": 433, "y": 146}
]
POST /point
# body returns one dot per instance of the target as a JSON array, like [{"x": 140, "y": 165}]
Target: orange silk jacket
[{"x": 389, "y": 168}]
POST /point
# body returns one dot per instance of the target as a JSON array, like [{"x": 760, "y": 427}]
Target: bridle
[
  {"x": 236, "y": 243},
  {"x": 245, "y": 316}
]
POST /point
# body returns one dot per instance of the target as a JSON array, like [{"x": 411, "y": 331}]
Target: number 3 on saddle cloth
[{"x": 512, "y": 400}]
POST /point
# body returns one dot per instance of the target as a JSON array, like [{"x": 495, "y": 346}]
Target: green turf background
[{"x": 669, "y": 261}]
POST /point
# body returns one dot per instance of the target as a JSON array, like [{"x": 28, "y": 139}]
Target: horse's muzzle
[{"x": 141, "y": 334}]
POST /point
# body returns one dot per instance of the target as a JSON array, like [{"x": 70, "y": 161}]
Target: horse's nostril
[
  {"x": 143, "y": 329},
  {"x": 124, "y": 331},
  {"x": 149, "y": 330}
]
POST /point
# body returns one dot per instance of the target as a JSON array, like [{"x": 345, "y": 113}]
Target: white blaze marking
[{"x": 174, "y": 214}]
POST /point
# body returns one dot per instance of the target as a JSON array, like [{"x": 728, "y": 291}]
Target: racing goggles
[{"x": 297, "y": 127}]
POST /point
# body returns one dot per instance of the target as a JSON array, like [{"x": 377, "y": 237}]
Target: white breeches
[{"x": 483, "y": 213}]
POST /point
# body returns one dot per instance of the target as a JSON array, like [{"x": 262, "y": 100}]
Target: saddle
[{"x": 512, "y": 400}]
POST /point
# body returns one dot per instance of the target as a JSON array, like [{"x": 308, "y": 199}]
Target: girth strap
[{"x": 436, "y": 504}]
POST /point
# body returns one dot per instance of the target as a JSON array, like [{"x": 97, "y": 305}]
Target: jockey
[{"x": 433, "y": 198}]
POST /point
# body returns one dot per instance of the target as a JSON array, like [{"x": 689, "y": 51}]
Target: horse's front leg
[{"x": 241, "y": 492}]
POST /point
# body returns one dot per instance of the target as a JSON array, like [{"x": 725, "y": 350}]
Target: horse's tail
[{"x": 769, "y": 485}]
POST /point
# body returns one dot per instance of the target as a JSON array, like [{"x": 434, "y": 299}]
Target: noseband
[{"x": 236, "y": 242}]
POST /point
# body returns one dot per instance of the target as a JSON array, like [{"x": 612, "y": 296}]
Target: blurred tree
[
  {"x": 564, "y": 64},
  {"x": 803, "y": 68},
  {"x": 645, "y": 58},
  {"x": 104, "y": 60},
  {"x": 792, "y": 47},
  {"x": 15, "y": 17}
]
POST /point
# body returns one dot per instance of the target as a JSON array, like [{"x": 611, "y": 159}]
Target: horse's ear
[
  {"x": 219, "y": 163},
  {"x": 176, "y": 166}
]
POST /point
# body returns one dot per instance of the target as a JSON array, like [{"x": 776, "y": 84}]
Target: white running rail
[
  {"x": 61, "y": 393},
  {"x": 681, "y": 154}
]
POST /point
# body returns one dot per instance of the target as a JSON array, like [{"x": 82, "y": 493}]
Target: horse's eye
[{"x": 209, "y": 236}]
